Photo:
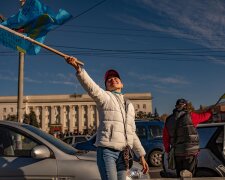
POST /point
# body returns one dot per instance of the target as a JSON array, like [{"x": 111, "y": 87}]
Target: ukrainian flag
[
  {"x": 34, "y": 20},
  {"x": 223, "y": 96}
]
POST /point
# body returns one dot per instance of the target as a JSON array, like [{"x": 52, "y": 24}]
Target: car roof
[
  {"x": 78, "y": 135},
  {"x": 211, "y": 124},
  {"x": 152, "y": 122}
]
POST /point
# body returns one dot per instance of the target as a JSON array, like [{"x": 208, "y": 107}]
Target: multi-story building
[{"x": 74, "y": 113}]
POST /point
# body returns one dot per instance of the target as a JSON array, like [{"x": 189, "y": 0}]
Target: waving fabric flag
[{"x": 34, "y": 20}]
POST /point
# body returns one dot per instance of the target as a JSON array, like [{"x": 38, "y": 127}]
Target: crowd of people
[{"x": 61, "y": 135}]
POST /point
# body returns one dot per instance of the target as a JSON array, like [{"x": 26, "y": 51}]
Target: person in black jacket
[{"x": 180, "y": 133}]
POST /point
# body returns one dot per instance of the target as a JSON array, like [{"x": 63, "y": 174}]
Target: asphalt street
[
  {"x": 155, "y": 172},
  {"x": 155, "y": 175}
]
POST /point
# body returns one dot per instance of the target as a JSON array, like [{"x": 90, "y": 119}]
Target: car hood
[{"x": 87, "y": 155}]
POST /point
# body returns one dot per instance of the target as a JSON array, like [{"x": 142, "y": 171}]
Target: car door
[
  {"x": 16, "y": 161},
  {"x": 216, "y": 144}
]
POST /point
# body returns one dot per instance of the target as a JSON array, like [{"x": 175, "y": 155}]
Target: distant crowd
[{"x": 61, "y": 135}]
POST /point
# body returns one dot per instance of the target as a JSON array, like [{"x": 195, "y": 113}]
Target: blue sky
[{"x": 171, "y": 49}]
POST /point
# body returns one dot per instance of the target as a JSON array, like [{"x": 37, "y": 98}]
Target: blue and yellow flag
[
  {"x": 223, "y": 96},
  {"x": 34, "y": 20}
]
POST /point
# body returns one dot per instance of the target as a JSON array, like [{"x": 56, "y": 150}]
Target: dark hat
[
  {"x": 181, "y": 102},
  {"x": 111, "y": 73}
]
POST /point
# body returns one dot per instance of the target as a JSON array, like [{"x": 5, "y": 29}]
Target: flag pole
[
  {"x": 221, "y": 97},
  {"x": 20, "y": 83},
  {"x": 37, "y": 43}
]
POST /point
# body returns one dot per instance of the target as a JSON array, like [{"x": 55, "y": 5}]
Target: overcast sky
[{"x": 171, "y": 49}]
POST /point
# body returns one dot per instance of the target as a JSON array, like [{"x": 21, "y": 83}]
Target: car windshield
[{"x": 51, "y": 139}]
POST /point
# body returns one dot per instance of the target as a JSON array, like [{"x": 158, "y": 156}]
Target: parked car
[
  {"x": 150, "y": 134},
  {"x": 27, "y": 152},
  {"x": 87, "y": 145},
  {"x": 211, "y": 158},
  {"x": 75, "y": 139}
]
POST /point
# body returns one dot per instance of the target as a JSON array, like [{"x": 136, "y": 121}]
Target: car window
[
  {"x": 216, "y": 143},
  {"x": 87, "y": 145},
  {"x": 66, "y": 148},
  {"x": 205, "y": 133},
  {"x": 141, "y": 132},
  {"x": 68, "y": 140},
  {"x": 80, "y": 139},
  {"x": 14, "y": 143},
  {"x": 155, "y": 131},
  {"x": 219, "y": 142}
]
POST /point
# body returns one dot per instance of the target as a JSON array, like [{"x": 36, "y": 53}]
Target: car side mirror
[{"x": 40, "y": 152}]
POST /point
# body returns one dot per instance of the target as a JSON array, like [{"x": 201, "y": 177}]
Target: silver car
[
  {"x": 27, "y": 152},
  {"x": 211, "y": 158}
]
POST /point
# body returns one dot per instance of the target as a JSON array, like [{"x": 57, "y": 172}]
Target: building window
[
  {"x": 144, "y": 106},
  {"x": 4, "y": 109},
  {"x": 85, "y": 122},
  {"x": 138, "y": 106},
  {"x": 11, "y": 109},
  {"x": 76, "y": 123}
]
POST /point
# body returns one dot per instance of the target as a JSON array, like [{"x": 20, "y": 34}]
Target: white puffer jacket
[{"x": 110, "y": 132}]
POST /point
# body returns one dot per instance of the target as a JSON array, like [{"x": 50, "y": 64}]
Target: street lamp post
[
  {"x": 20, "y": 87},
  {"x": 20, "y": 82}
]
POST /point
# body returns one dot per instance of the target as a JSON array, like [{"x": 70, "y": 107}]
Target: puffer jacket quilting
[{"x": 110, "y": 132}]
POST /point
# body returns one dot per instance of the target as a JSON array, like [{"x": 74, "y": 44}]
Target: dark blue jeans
[
  {"x": 111, "y": 164},
  {"x": 186, "y": 162}
]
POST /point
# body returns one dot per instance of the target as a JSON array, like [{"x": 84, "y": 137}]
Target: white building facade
[{"x": 73, "y": 113}]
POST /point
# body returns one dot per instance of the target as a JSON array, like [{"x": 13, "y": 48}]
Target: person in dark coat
[{"x": 180, "y": 132}]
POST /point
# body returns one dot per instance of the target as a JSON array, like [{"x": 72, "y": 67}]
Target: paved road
[{"x": 154, "y": 172}]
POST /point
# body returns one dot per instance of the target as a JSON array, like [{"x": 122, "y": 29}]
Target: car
[
  {"x": 86, "y": 145},
  {"x": 27, "y": 152},
  {"x": 150, "y": 135},
  {"x": 75, "y": 139},
  {"x": 211, "y": 158}
]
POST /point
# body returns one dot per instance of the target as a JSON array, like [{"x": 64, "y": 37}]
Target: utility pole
[{"x": 20, "y": 83}]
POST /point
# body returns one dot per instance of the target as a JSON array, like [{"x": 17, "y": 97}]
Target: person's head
[
  {"x": 113, "y": 81},
  {"x": 181, "y": 104}
]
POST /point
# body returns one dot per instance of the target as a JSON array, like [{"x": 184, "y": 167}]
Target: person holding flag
[{"x": 116, "y": 123}]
